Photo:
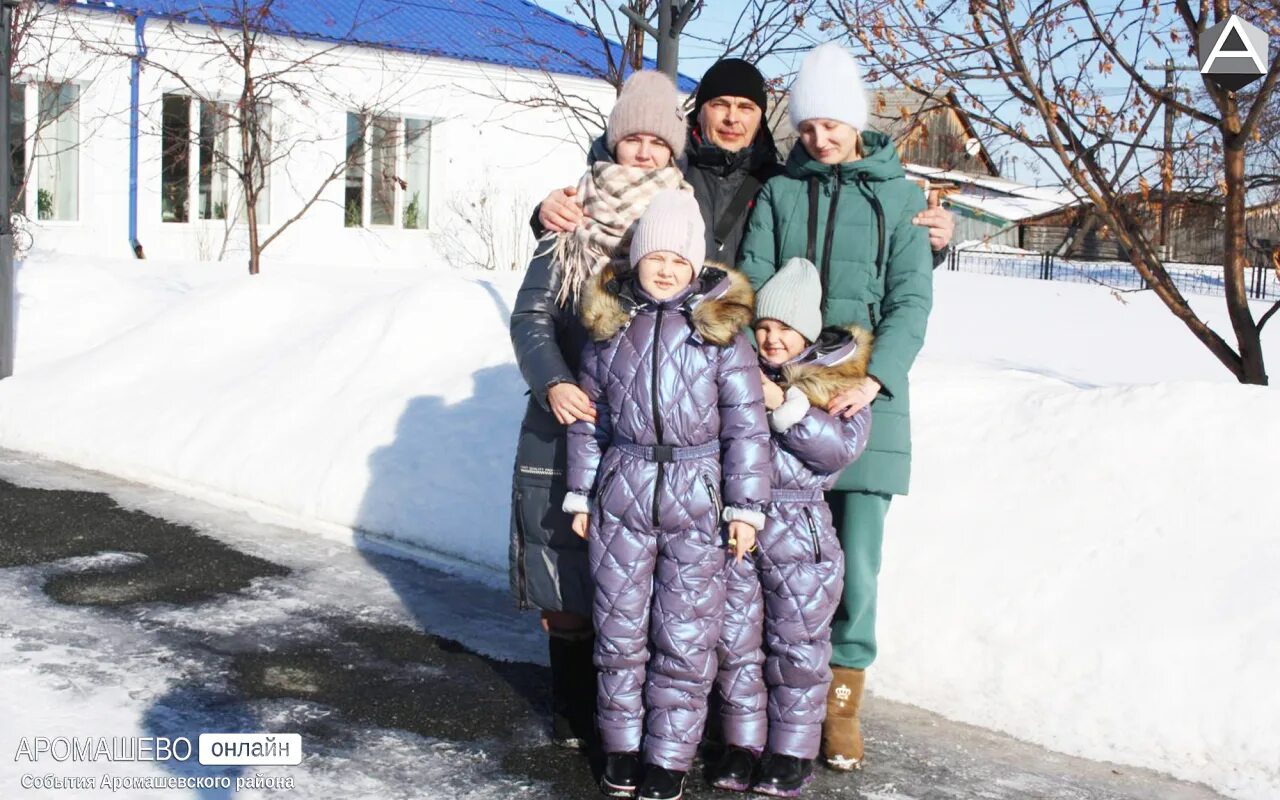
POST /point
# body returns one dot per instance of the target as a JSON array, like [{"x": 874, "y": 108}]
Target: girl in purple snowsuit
[
  {"x": 789, "y": 593},
  {"x": 680, "y": 434}
]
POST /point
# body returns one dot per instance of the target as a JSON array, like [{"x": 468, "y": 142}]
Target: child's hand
[
  {"x": 580, "y": 522},
  {"x": 773, "y": 394},
  {"x": 742, "y": 539}
]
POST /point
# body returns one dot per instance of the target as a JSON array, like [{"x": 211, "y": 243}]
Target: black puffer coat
[
  {"x": 548, "y": 563},
  {"x": 717, "y": 175}
]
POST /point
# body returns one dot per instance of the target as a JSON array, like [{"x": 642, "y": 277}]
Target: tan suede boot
[{"x": 841, "y": 733}]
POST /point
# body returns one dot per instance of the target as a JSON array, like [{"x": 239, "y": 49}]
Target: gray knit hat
[
  {"x": 647, "y": 104},
  {"x": 828, "y": 86},
  {"x": 672, "y": 222},
  {"x": 793, "y": 296}
]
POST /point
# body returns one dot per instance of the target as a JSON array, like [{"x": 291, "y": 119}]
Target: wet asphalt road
[{"x": 338, "y": 666}]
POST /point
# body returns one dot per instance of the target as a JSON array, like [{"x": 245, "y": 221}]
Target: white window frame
[
  {"x": 34, "y": 162},
  {"x": 401, "y": 170},
  {"x": 235, "y": 192}
]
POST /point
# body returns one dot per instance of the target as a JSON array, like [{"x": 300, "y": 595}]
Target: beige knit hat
[
  {"x": 647, "y": 104},
  {"x": 673, "y": 223}
]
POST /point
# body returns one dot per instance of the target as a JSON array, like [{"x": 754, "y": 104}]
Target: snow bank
[
  {"x": 1086, "y": 561},
  {"x": 385, "y": 401}
]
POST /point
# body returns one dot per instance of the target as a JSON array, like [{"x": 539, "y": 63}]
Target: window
[
  {"x": 213, "y": 159},
  {"x": 215, "y": 150},
  {"x": 354, "y": 198},
  {"x": 388, "y": 179},
  {"x": 17, "y": 148},
  {"x": 383, "y": 147},
  {"x": 175, "y": 158},
  {"x": 260, "y": 131},
  {"x": 417, "y": 140},
  {"x": 57, "y": 152}
]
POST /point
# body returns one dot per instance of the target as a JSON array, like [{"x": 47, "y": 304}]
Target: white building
[{"x": 118, "y": 145}]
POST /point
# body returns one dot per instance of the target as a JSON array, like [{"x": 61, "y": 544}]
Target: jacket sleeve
[
  {"x": 823, "y": 443},
  {"x": 535, "y": 222},
  {"x": 758, "y": 255},
  {"x": 587, "y": 441},
  {"x": 533, "y": 326},
  {"x": 744, "y": 434},
  {"x": 908, "y": 298}
]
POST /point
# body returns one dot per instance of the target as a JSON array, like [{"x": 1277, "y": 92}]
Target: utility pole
[
  {"x": 1166, "y": 166},
  {"x": 673, "y": 15},
  {"x": 1166, "y": 159},
  {"x": 8, "y": 294}
]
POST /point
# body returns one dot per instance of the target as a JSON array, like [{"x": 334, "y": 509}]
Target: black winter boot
[
  {"x": 734, "y": 770},
  {"x": 784, "y": 776},
  {"x": 621, "y": 775},
  {"x": 661, "y": 784},
  {"x": 573, "y": 692}
]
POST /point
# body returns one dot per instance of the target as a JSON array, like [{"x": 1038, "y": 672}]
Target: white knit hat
[
  {"x": 672, "y": 222},
  {"x": 829, "y": 86},
  {"x": 793, "y": 296}
]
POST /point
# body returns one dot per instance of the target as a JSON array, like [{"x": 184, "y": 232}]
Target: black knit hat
[{"x": 732, "y": 77}]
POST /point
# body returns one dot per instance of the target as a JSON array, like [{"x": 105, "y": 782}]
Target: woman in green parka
[{"x": 845, "y": 204}]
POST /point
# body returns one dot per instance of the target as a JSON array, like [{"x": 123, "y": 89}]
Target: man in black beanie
[
  {"x": 730, "y": 153},
  {"x": 729, "y": 156}
]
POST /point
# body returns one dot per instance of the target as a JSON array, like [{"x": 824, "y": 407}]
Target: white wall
[{"x": 482, "y": 147}]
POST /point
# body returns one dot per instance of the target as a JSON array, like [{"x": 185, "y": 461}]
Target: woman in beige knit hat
[{"x": 634, "y": 161}]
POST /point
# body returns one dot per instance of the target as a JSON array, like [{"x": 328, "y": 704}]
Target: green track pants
[{"x": 859, "y": 520}]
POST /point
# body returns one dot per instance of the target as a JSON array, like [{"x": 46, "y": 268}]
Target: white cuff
[
  {"x": 792, "y": 410},
  {"x": 575, "y": 503},
  {"x": 753, "y": 518}
]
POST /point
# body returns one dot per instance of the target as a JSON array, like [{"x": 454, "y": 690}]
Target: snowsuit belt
[
  {"x": 665, "y": 453},
  {"x": 796, "y": 496}
]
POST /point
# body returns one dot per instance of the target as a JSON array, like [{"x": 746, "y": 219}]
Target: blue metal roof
[{"x": 514, "y": 33}]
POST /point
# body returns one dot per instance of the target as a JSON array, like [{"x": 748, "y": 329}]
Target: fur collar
[
  {"x": 837, "y": 361},
  {"x": 719, "y": 306}
]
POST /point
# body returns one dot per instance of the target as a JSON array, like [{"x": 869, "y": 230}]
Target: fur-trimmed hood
[
  {"x": 719, "y": 303},
  {"x": 837, "y": 361}
]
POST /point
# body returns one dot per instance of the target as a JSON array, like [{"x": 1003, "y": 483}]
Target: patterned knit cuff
[
  {"x": 575, "y": 503},
  {"x": 753, "y": 518}
]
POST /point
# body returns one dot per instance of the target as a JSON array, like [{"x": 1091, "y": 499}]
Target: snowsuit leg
[
  {"x": 623, "y": 551},
  {"x": 860, "y": 524},
  {"x": 740, "y": 680},
  {"x": 688, "y": 609},
  {"x": 802, "y": 574}
]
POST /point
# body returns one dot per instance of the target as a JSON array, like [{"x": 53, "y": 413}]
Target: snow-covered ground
[{"x": 1087, "y": 559}]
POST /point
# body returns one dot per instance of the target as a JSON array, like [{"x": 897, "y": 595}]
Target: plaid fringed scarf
[{"x": 613, "y": 198}]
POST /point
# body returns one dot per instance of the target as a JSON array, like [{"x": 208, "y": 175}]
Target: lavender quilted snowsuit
[
  {"x": 681, "y": 425},
  {"x": 789, "y": 593}
]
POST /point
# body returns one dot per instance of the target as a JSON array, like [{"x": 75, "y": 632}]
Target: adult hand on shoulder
[
  {"x": 773, "y": 394},
  {"x": 569, "y": 403},
  {"x": 940, "y": 222},
  {"x": 742, "y": 539},
  {"x": 853, "y": 400},
  {"x": 580, "y": 522},
  {"x": 560, "y": 213}
]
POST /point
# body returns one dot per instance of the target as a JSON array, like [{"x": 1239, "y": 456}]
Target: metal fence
[{"x": 1261, "y": 282}]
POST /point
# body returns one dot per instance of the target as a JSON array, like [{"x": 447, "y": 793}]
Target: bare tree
[
  {"x": 1065, "y": 78},
  {"x": 616, "y": 47},
  {"x": 489, "y": 229}
]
